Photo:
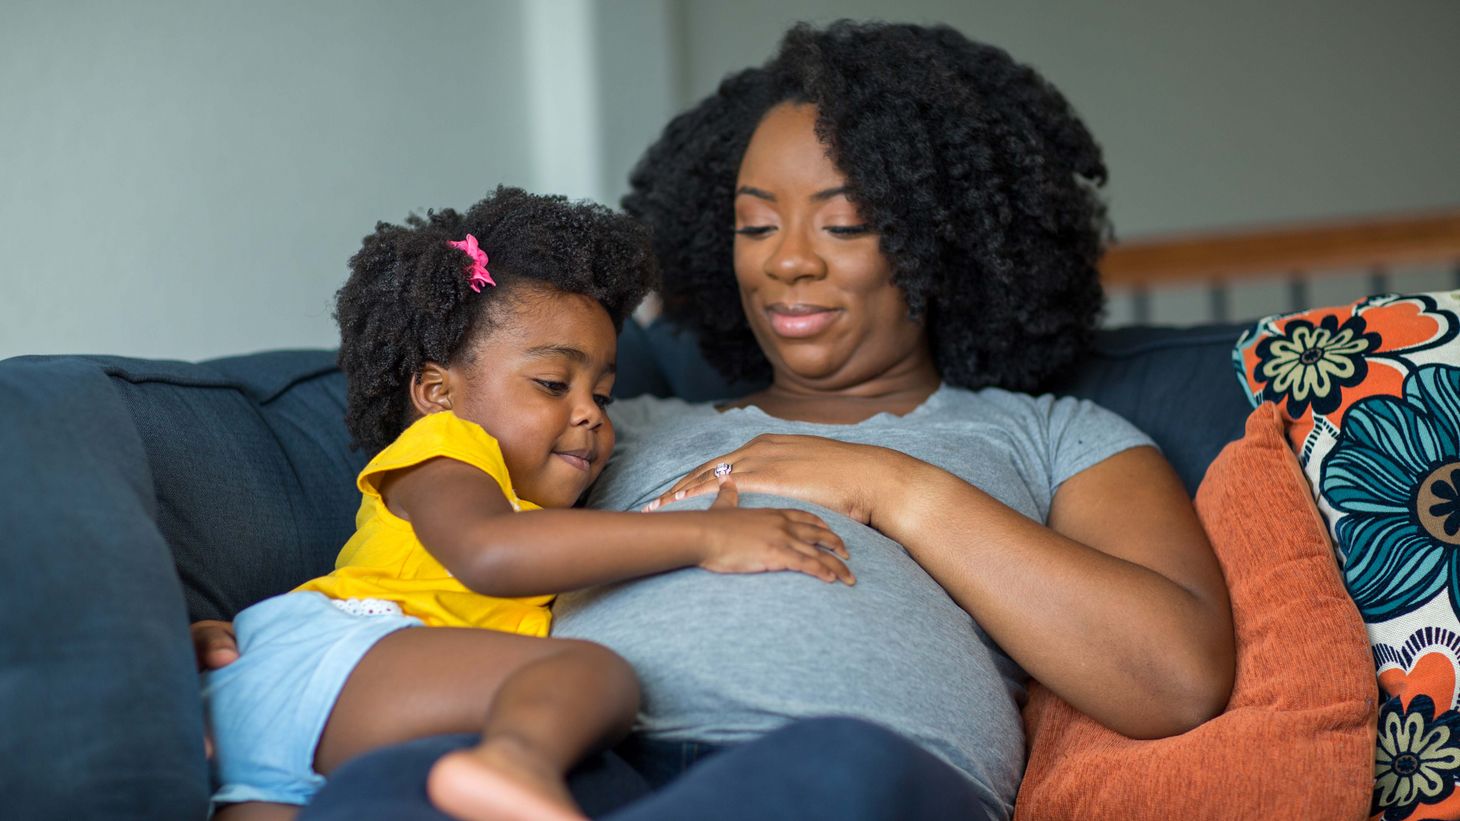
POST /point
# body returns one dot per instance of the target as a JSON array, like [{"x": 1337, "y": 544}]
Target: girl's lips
[
  {"x": 801, "y": 322},
  {"x": 576, "y": 461}
]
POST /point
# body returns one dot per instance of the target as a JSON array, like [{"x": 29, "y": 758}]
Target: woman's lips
[{"x": 799, "y": 321}]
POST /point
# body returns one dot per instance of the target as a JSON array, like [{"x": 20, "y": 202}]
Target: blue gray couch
[{"x": 142, "y": 494}]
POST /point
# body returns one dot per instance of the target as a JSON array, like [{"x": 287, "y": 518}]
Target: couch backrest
[
  {"x": 251, "y": 467},
  {"x": 249, "y": 478},
  {"x": 1176, "y": 384}
]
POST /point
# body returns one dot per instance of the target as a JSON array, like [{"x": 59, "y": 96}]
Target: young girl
[{"x": 479, "y": 350}]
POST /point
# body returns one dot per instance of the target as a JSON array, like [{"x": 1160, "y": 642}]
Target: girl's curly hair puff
[
  {"x": 976, "y": 173},
  {"x": 408, "y": 300}
]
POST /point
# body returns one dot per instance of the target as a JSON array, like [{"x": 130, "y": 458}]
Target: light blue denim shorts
[{"x": 266, "y": 710}]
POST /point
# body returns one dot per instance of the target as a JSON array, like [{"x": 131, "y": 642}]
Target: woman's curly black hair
[
  {"x": 975, "y": 171},
  {"x": 408, "y": 300}
]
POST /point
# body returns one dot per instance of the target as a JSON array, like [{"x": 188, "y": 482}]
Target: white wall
[
  {"x": 187, "y": 178},
  {"x": 639, "y": 80},
  {"x": 1210, "y": 113}
]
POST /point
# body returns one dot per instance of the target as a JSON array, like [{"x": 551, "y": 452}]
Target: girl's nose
[{"x": 587, "y": 414}]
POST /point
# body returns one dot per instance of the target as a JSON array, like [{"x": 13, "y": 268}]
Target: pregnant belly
[{"x": 725, "y": 658}]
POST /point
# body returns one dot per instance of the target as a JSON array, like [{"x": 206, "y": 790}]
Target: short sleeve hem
[{"x": 439, "y": 435}]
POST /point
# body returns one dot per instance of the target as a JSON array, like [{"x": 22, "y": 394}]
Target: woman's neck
[{"x": 895, "y": 393}]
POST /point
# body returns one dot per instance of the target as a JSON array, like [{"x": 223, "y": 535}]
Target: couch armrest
[{"x": 98, "y": 689}]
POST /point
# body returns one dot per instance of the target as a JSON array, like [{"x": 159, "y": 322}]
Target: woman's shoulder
[
  {"x": 1067, "y": 433},
  {"x": 1047, "y": 411}
]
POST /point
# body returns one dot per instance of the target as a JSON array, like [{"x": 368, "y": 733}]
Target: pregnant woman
[{"x": 895, "y": 230}]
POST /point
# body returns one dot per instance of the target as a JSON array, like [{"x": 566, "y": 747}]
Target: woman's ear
[{"x": 431, "y": 390}]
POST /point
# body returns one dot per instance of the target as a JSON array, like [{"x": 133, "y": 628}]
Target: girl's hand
[
  {"x": 854, "y": 480},
  {"x": 757, "y": 540},
  {"x": 214, "y": 644}
]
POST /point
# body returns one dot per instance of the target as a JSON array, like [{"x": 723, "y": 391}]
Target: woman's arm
[{"x": 1118, "y": 605}]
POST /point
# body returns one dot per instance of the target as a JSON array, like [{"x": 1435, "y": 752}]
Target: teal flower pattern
[{"x": 1392, "y": 476}]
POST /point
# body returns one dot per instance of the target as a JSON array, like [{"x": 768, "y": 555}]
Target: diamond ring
[{"x": 723, "y": 469}]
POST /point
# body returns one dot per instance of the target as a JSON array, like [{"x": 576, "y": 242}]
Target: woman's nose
[{"x": 793, "y": 259}]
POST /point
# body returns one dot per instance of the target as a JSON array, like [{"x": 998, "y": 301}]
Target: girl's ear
[{"x": 431, "y": 391}]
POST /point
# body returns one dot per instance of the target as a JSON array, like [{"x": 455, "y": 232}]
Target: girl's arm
[
  {"x": 1117, "y": 605},
  {"x": 462, "y": 517}
]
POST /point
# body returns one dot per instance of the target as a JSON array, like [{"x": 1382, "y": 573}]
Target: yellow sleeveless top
[{"x": 385, "y": 560}]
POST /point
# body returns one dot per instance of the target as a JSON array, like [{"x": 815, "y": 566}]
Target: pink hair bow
[{"x": 479, "y": 275}]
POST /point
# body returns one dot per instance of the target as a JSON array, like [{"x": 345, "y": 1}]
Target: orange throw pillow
[{"x": 1297, "y": 738}]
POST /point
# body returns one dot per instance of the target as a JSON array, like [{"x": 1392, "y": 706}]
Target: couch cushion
[{"x": 1295, "y": 739}]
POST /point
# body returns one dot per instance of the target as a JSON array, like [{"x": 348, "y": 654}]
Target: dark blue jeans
[{"x": 838, "y": 768}]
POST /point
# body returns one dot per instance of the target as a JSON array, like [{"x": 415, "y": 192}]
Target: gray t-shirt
[{"x": 727, "y": 658}]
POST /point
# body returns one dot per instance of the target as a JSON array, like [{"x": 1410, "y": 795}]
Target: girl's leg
[
  {"x": 256, "y": 811},
  {"x": 544, "y": 703}
]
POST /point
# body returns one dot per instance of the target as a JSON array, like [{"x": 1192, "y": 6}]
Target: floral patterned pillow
[{"x": 1370, "y": 394}]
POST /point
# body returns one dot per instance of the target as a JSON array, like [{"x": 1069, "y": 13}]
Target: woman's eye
[
  {"x": 753, "y": 230},
  {"x": 552, "y": 387},
  {"x": 603, "y": 400},
  {"x": 848, "y": 230}
]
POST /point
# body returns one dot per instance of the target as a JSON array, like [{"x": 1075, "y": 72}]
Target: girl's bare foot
[{"x": 500, "y": 780}]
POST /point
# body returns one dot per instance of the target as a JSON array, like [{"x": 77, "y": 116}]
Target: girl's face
[
  {"x": 813, "y": 280},
  {"x": 539, "y": 383}
]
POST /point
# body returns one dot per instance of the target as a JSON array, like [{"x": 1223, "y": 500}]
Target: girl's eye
[
  {"x": 754, "y": 230},
  {"x": 848, "y": 230},
  {"x": 603, "y": 400},
  {"x": 554, "y": 388}
]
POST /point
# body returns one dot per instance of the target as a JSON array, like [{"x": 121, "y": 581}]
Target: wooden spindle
[
  {"x": 1219, "y": 305},
  {"x": 1140, "y": 304},
  {"x": 1378, "y": 280},
  {"x": 1297, "y": 291}
]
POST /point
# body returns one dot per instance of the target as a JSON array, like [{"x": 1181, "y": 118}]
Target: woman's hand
[
  {"x": 854, "y": 480},
  {"x": 214, "y": 643},
  {"x": 765, "y": 540}
]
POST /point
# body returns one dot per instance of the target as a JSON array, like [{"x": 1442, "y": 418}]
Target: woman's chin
[{"x": 808, "y": 366}]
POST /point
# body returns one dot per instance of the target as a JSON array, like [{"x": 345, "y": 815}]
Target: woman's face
[{"x": 813, "y": 281}]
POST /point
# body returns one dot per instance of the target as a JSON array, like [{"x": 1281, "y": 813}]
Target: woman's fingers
[
  {"x": 700, "y": 475},
  {"x": 214, "y": 644},
  {"x": 704, "y": 484},
  {"x": 704, "y": 473}
]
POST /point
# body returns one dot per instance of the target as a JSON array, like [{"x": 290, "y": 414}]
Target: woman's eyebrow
[
  {"x": 820, "y": 196},
  {"x": 827, "y": 193}
]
